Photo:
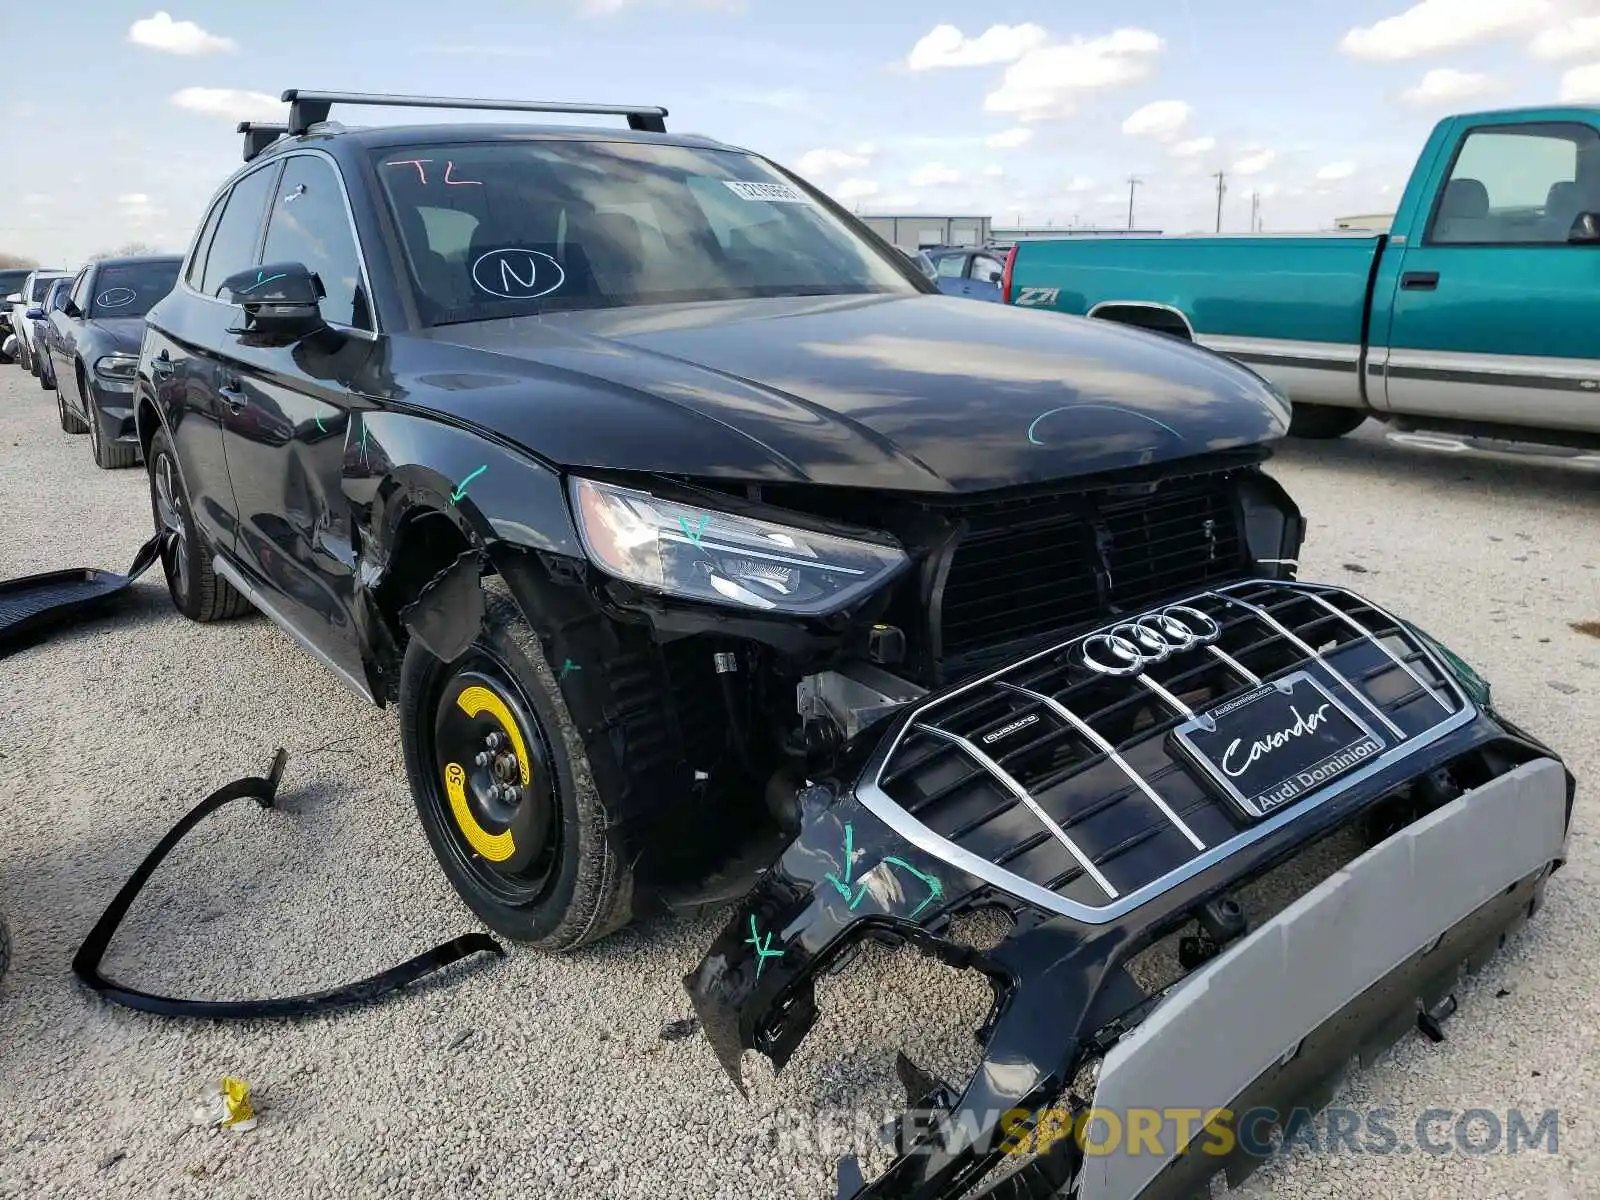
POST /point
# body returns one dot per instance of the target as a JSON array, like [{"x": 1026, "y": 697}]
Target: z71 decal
[{"x": 1036, "y": 297}]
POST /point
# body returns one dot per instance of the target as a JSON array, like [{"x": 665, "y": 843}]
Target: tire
[
  {"x": 542, "y": 869},
  {"x": 197, "y": 591},
  {"x": 70, "y": 421},
  {"x": 24, "y": 359},
  {"x": 108, "y": 456},
  {"x": 1323, "y": 421}
]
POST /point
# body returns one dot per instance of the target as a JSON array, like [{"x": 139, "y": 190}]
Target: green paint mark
[
  {"x": 842, "y": 885},
  {"x": 461, "y": 488},
  {"x": 935, "y": 888},
  {"x": 259, "y": 281},
  {"x": 694, "y": 535},
  {"x": 763, "y": 946},
  {"x": 569, "y": 665},
  {"x": 856, "y": 896}
]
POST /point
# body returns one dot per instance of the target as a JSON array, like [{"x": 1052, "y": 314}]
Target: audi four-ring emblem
[{"x": 1129, "y": 648}]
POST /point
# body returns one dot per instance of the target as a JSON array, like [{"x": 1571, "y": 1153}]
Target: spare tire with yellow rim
[{"x": 503, "y": 786}]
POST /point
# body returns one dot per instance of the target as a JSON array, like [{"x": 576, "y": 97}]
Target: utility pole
[
  {"x": 1255, "y": 212},
  {"x": 1133, "y": 182},
  {"x": 1222, "y": 188}
]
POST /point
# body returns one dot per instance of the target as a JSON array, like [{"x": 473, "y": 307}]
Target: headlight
[
  {"x": 698, "y": 554},
  {"x": 118, "y": 367}
]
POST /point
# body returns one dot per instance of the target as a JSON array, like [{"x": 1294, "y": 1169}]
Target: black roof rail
[
  {"x": 307, "y": 108},
  {"x": 258, "y": 135}
]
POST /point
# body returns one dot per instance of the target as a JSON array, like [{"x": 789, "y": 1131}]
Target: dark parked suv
[
  {"x": 93, "y": 343},
  {"x": 710, "y": 554}
]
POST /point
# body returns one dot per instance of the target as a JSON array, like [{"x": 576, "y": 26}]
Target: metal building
[
  {"x": 1376, "y": 222},
  {"x": 1030, "y": 233},
  {"x": 912, "y": 231}
]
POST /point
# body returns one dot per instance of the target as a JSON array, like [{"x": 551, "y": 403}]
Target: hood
[
  {"x": 916, "y": 393},
  {"x": 121, "y": 333}
]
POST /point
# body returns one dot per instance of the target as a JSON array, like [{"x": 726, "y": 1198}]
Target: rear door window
[
  {"x": 233, "y": 246},
  {"x": 194, "y": 276}
]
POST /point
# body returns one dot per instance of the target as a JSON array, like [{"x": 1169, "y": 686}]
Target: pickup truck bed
[{"x": 1475, "y": 316}]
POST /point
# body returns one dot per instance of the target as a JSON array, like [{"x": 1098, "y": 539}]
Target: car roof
[
  {"x": 135, "y": 259},
  {"x": 382, "y": 136}
]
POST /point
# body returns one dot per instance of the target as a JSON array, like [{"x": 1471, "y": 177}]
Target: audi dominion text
[{"x": 710, "y": 555}]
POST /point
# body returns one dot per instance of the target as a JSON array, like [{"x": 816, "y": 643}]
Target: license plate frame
[{"x": 1314, "y": 735}]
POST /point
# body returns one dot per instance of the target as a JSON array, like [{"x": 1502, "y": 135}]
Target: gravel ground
[{"x": 548, "y": 1076}]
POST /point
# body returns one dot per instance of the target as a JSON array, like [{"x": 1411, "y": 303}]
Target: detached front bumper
[{"x": 1063, "y": 797}]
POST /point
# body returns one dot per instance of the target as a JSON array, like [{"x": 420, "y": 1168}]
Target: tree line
[{"x": 126, "y": 250}]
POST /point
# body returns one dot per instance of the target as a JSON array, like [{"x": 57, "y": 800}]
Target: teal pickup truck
[{"x": 1476, "y": 316}]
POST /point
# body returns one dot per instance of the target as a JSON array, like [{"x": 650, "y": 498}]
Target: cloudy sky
[{"x": 1035, "y": 110}]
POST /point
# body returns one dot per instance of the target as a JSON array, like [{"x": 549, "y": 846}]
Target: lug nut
[
  {"x": 513, "y": 794},
  {"x": 483, "y": 758},
  {"x": 495, "y": 740}
]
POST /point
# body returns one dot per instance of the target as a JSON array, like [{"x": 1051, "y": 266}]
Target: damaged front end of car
[{"x": 1125, "y": 788}]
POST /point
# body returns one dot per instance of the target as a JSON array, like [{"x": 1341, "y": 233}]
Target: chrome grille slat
[
  {"x": 1110, "y": 751},
  {"x": 1315, "y": 656},
  {"x": 1270, "y": 629},
  {"x": 1172, "y": 702},
  {"x": 1003, "y": 777},
  {"x": 1228, "y": 660},
  {"x": 1379, "y": 643}
]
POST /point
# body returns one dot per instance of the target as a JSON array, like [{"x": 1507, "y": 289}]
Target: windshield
[
  {"x": 11, "y": 281},
  {"x": 498, "y": 229},
  {"x": 131, "y": 289}
]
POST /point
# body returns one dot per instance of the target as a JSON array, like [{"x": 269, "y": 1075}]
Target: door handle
[
  {"x": 234, "y": 396},
  {"x": 1419, "y": 281}
]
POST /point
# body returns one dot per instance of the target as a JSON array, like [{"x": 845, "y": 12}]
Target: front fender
[{"x": 397, "y": 464}]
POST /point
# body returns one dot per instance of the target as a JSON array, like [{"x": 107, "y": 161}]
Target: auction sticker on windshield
[
  {"x": 1277, "y": 743},
  {"x": 776, "y": 193}
]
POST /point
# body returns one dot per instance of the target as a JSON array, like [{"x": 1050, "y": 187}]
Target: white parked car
[{"x": 30, "y": 295}]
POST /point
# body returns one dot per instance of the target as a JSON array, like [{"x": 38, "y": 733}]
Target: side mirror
[
  {"x": 14, "y": 298},
  {"x": 35, "y": 313},
  {"x": 280, "y": 300},
  {"x": 996, "y": 276},
  {"x": 71, "y": 309},
  {"x": 1585, "y": 228}
]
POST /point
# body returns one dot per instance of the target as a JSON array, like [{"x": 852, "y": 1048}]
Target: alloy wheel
[{"x": 175, "y": 548}]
